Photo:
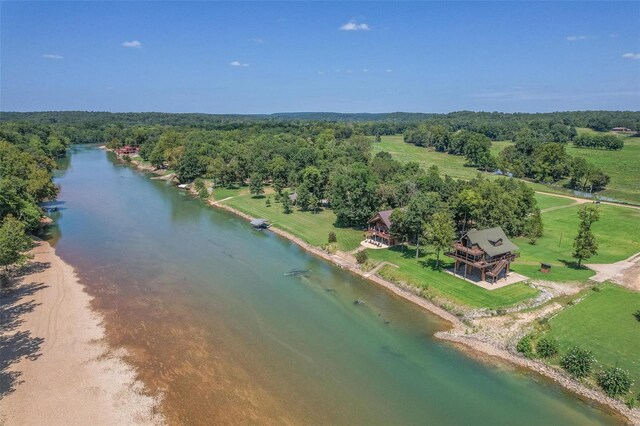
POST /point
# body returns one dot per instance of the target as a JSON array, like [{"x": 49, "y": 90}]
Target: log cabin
[
  {"x": 488, "y": 250},
  {"x": 379, "y": 228}
]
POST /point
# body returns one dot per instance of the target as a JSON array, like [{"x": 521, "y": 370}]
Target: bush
[
  {"x": 614, "y": 381},
  {"x": 637, "y": 314},
  {"x": 198, "y": 184},
  {"x": 525, "y": 346},
  {"x": 203, "y": 193},
  {"x": 332, "y": 237},
  {"x": 268, "y": 202},
  {"x": 595, "y": 288},
  {"x": 631, "y": 403},
  {"x": 577, "y": 362},
  {"x": 361, "y": 257},
  {"x": 547, "y": 347}
]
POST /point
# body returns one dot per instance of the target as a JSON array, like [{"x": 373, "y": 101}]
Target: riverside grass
[{"x": 588, "y": 324}]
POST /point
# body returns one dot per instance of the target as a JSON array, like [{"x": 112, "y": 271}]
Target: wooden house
[
  {"x": 379, "y": 228},
  {"x": 488, "y": 250}
]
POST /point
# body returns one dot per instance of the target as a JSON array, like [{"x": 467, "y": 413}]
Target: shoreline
[
  {"x": 57, "y": 367},
  {"x": 457, "y": 335}
]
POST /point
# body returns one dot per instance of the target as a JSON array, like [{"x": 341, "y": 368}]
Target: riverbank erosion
[{"x": 55, "y": 365}]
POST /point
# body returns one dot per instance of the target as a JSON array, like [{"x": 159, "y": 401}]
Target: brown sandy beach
[{"x": 55, "y": 366}]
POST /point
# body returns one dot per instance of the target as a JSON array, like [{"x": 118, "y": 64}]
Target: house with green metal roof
[{"x": 487, "y": 251}]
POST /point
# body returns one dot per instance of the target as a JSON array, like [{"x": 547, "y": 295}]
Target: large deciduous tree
[{"x": 585, "y": 244}]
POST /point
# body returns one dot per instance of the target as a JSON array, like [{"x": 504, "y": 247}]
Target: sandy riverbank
[{"x": 55, "y": 366}]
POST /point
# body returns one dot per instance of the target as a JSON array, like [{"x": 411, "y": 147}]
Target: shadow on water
[{"x": 15, "y": 346}]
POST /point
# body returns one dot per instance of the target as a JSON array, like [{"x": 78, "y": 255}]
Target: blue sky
[{"x": 246, "y": 57}]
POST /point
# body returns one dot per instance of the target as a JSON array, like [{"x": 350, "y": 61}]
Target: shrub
[
  {"x": 547, "y": 347},
  {"x": 361, "y": 257},
  {"x": 637, "y": 314},
  {"x": 198, "y": 184},
  {"x": 525, "y": 346},
  {"x": 268, "y": 202},
  {"x": 203, "y": 193},
  {"x": 332, "y": 237},
  {"x": 595, "y": 288},
  {"x": 126, "y": 158},
  {"x": 631, "y": 403},
  {"x": 614, "y": 381},
  {"x": 577, "y": 362}
]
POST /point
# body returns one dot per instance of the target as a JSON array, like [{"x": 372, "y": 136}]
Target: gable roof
[
  {"x": 384, "y": 215},
  {"x": 492, "y": 240}
]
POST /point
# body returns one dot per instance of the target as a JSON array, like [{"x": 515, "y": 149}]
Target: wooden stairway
[{"x": 496, "y": 269}]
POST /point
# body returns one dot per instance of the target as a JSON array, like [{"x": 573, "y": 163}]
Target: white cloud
[
  {"x": 238, "y": 64},
  {"x": 631, "y": 56},
  {"x": 388, "y": 70},
  {"x": 354, "y": 26},
  {"x": 577, "y": 37},
  {"x": 52, "y": 56},
  {"x": 132, "y": 43},
  {"x": 258, "y": 40},
  {"x": 365, "y": 70}
]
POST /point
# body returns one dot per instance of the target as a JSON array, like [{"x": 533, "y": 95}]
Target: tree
[
  {"x": 361, "y": 257},
  {"x": 353, "y": 194},
  {"x": 585, "y": 244},
  {"x": 332, "y": 237},
  {"x": 577, "y": 362},
  {"x": 286, "y": 203},
  {"x": 534, "y": 226},
  {"x": 440, "y": 233},
  {"x": 190, "y": 166},
  {"x": 256, "y": 186},
  {"x": 614, "y": 381},
  {"x": 547, "y": 347},
  {"x": 14, "y": 242}
]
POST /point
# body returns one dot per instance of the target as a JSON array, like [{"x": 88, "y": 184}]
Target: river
[{"x": 203, "y": 306}]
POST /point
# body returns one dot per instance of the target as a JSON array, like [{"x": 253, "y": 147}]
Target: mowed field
[
  {"x": 616, "y": 233},
  {"x": 452, "y": 165},
  {"x": 313, "y": 228},
  {"x": 623, "y": 166},
  {"x": 603, "y": 322}
]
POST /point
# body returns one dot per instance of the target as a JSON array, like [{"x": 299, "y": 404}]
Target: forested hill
[{"x": 597, "y": 120}]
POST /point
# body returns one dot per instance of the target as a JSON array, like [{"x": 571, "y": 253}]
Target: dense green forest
[{"x": 323, "y": 156}]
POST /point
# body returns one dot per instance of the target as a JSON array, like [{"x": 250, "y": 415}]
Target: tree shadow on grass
[
  {"x": 18, "y": 345},
  {"x": 572, "y": 264}
]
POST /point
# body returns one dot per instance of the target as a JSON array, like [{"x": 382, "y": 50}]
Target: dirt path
[
  {"x": 583, "y": 201},
  {"x": 55, "y": 367}
]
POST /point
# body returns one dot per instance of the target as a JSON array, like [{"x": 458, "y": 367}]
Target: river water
[{"x": 203, "y": 306}]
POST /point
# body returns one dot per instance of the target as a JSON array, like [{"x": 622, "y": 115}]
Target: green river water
[{"x": 213, "y": 325}]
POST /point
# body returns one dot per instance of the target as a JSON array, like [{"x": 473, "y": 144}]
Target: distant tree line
[{"x": 611, "y": 142}]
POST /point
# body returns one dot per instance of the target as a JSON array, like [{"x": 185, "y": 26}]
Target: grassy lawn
[
  {"x": 621, "y": 165},
  {"x": 604, "y": 323},
  {"x": 312, "y": 228},
  {"x": 548, "y": 201},
  {"x": 421, "y": 274},
  {"x": 616, "y": 233},
  {"x": 452, "y": 165},
  {"x": 220, "y": 193}
]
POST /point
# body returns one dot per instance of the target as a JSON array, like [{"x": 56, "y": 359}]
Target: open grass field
[
  {"x": 604, "y": 323},
  {"x": 549, "y": 201},
  {"x": 421, "y": 273},
  {"x": 623, "y": 166},
  {"x": 312, "y": 228},
  {"x": 616, "y": 233},
  {"x": 452, "y": 165}
]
